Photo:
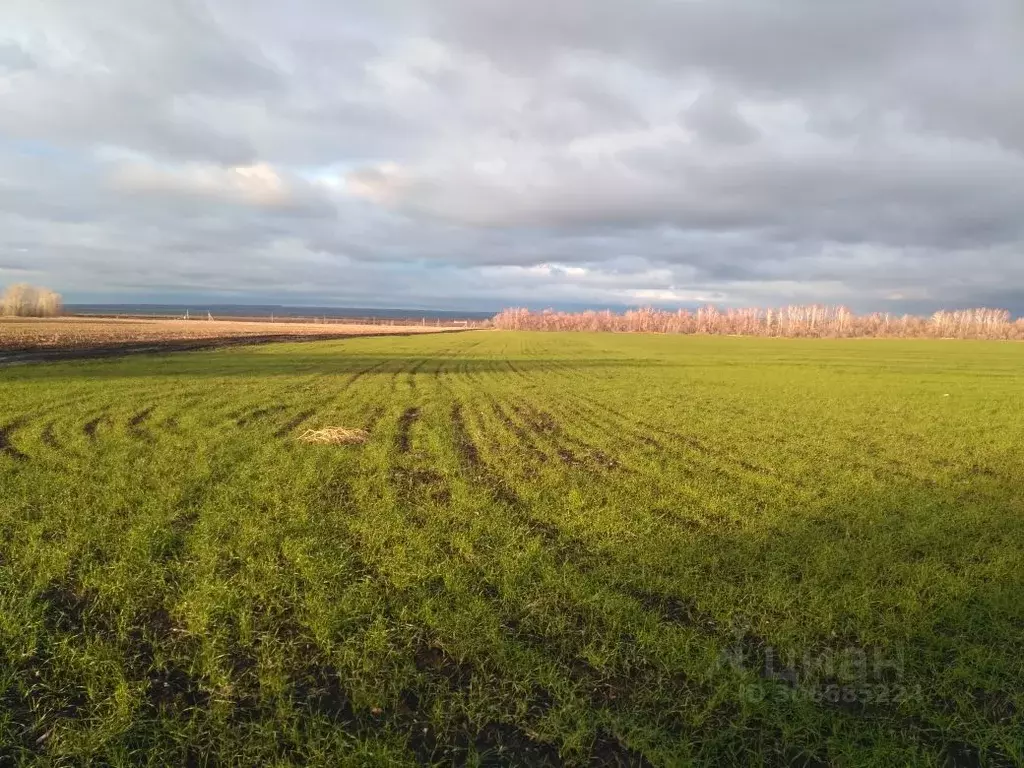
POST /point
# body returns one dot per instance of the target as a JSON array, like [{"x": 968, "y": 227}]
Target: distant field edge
[{"x": 123, "y": 349}]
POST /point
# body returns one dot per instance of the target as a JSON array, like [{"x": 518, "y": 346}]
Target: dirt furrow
[
  {"x": 361, "y": 373},
  {"x": 90, "y": 427},
  {"x": 6, "y": 446},
  {"x": 257, "y": 414},
  {"x": 289, "y": 426},
  {"x": 405, "y": 422},
  {"x": 572, "y": 451},
  {"x": 48, "y": 438}
]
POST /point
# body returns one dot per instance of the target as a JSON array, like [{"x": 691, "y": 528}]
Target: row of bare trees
[
  {"x": 23, "y": 300},
  {"x": 795, "y": 321}
]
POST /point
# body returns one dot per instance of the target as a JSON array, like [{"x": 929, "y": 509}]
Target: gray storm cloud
[{"x": 480, "y": 153}]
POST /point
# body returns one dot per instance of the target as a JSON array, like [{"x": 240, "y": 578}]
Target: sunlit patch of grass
[{"x": 575, "y": 549}]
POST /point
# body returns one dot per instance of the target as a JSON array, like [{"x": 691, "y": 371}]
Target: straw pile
[{"x": 335, "y": 436}]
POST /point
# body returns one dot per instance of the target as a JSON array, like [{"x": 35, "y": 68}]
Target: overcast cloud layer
[{"x": 480, "y": 153}]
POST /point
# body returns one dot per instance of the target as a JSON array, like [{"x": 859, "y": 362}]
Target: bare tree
[
  {"x": 794, "y": 321},
  {"x": 23, "y": 300},
  {"x": 48, "y": 303}
]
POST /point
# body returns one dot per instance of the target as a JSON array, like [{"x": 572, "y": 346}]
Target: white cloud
[
  {"x": 258, "y": 184},
  {"x": 741, "y": 151}
]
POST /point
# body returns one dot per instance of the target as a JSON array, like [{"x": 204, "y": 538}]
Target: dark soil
[{"x": 121, "y": 349}]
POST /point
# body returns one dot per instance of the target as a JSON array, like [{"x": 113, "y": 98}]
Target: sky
[{"x": 475, "y": 154}]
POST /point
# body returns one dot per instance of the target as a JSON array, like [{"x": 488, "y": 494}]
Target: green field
[{"x": 577, "y": 549}]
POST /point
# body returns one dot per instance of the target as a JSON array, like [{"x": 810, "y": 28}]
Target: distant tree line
[
  {"x": 23, "y": 300},
  {"x": 795, "y": 321}
]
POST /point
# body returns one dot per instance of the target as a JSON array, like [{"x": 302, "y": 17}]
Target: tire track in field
[
  {"x": 580, "y": 409},
  {"x": 375, "y": 400},
  {"x": 319, "y": 688},
  {"x": 600, "y": 690},
  {"x": 518, "y": 435},
  {"x": 135, "y": 424},
  {"x": 372, "y": 402},
  {"x": 373, "y": 416},
  {"x": 588, "y": 411},
  {"x": 515, "y": 371},
  {"x": 180, "y": 407},
  {"x": 709, "y": 465},
  {"x": 409, "y": 417},
  {"x": 7, "y": 447},
  {"x": 252, "y": 402},
  {"x": 295, "y": 421},
  {"x": 523, "y": 435},
  {"x": 670, "y": 609},
  {"x": 696, "y": 445},
  {"x": 221, "y": 409},
  {"x": 248, "y": 417},
  {"x": 414, "y": 371},
  {"x": 541, "y": 427},
  {"x": 311, "y": 390},
  {"x": 691, "y": 442},
  {"x": 564, "y": 642},
  {"x": 574, "y": 411},
  {"x": 422, "y": 372},
  {"x": 361, "y": 373},
  {"x": 416, "y": 484},
  {"x": 186, "y": 514},
  {"x": 471, "y": 461},
  {"x": 302, "y": 393},
  {"x": 91, "y": 427},
  {"x": 666, "y": 439},
  {"x": 100, "y": 416},
  {"x": 74, "y": 615},
  {"x": 535, "y": 427},
  {"x": 572, "y": 451},
  {"x": 565, "y": 549},
  {"x": 48, "y": 438},
  {"x": 413, "y": 477},
  {"x": 566, "y": 552},
  {"x": 616, "y": 689},
  {"x": 393, "y": 380},
  {"x": 579, "y": 412},
  {"x": 311, "y": 394}
]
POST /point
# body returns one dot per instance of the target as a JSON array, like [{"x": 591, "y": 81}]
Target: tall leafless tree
[
  {"x": 813, "y": 320},
  {"x": 23, "y": 300}
]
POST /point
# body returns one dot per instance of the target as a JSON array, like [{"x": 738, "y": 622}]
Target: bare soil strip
[
  {"x": 68, "y": 339},
  {"x": 404, "y": 427}
]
